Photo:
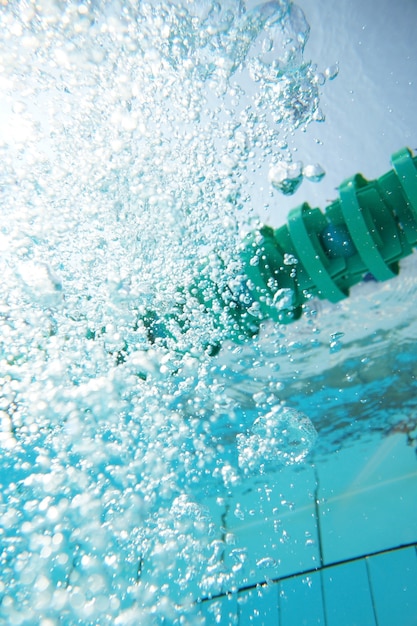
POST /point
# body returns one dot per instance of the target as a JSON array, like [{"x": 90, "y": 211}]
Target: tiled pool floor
[{"x": 333, "y": 542}]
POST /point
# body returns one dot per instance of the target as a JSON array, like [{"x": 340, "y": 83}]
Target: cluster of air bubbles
[
  {"x": 287, "y": 176},
  {"x": 281, "y": 437},
  {"x": 128, "y": 131}
]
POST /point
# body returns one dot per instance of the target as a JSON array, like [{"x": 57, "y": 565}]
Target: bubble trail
[{"x": 128, "y": 136}]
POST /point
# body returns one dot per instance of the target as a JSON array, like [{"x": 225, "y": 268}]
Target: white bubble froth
[{"x": 127, "y": 131}]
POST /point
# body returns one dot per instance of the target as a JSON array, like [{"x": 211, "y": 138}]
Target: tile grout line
[
  {"x": 317, "y": 514},
  {"x": 312, "y": 570},
  {"x": 371, "y": 591},
  {"x": 319, "y": 537}
]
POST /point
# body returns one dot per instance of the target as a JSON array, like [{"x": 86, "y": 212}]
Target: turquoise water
[{"x": 135, "y": 138}]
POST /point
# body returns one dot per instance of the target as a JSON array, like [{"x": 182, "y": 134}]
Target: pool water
[
  {"x": 144, "y": 481},
  {"x": 333, "y": 540}
]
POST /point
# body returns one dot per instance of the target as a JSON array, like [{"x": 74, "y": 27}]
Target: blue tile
[
  {"x": 348, "y": 600},
  {"x": 367, "y": 499},
  {"x": 275, "y": 536},
  {"x": 393, "y": 578},
  {"x": 259, "y": 607},
  {"x": 301, "y": 601},
  {"x": 219, "y": 612}
]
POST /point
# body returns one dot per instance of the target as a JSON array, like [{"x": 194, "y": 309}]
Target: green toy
[{"x": 366, "y": 231}]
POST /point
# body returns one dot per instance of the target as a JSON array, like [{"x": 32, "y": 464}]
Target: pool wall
[{"x": 344, "y": 551}]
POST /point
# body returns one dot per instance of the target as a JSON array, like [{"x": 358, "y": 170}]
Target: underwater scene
[{"x": 141, "y": 142}]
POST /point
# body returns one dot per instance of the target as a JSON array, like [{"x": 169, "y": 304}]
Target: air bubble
[
  {"x": 313, "y": 173},
  {"x": 331, "y": 72},
  {"x": 266, "y": 563},
  {"x": 281, "y": 437},
  {"x": 286, "y": 177}
]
